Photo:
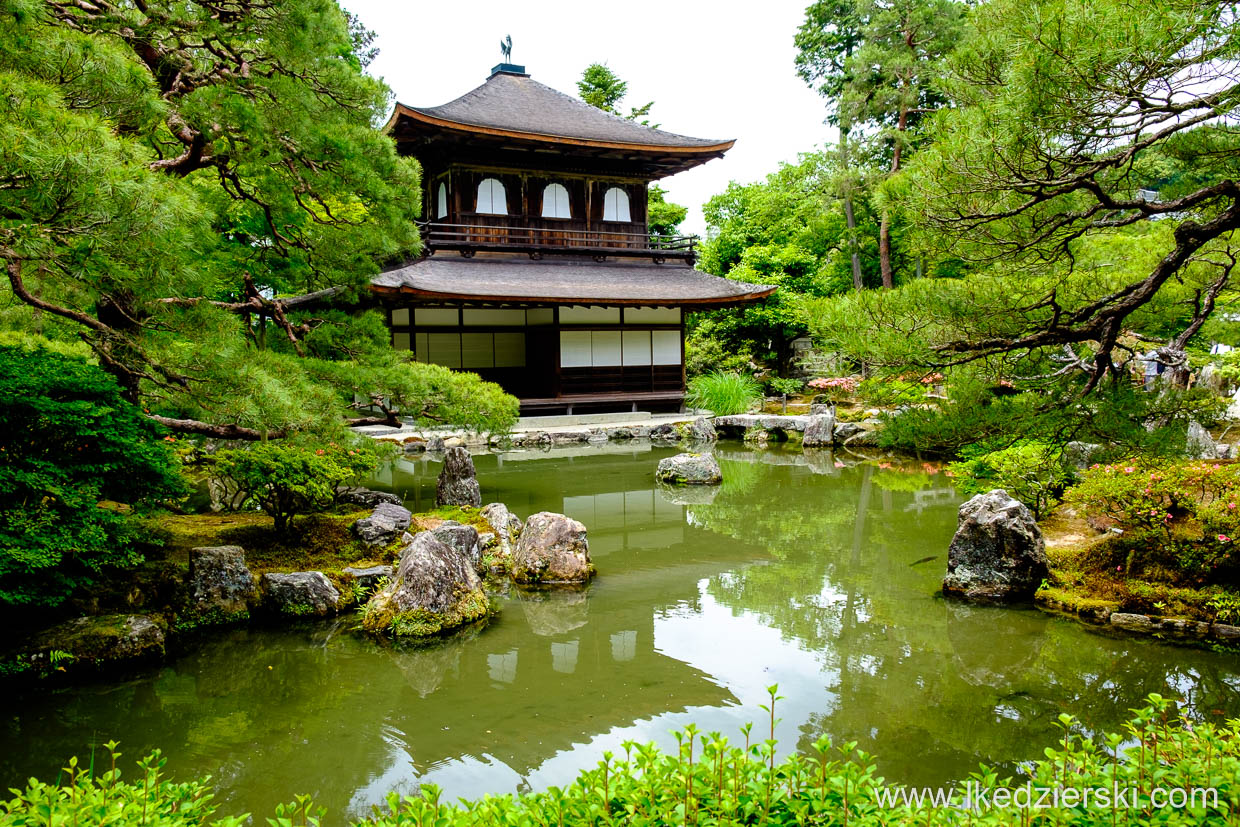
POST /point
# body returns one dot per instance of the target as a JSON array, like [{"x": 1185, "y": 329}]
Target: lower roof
[{"x": 512, "y": 280}]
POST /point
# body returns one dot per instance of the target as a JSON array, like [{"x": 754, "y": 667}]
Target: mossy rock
[{"x": 435, "y": 589}]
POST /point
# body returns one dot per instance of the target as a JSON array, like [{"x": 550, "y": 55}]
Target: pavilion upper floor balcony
[{"x": 544, "y": 237}]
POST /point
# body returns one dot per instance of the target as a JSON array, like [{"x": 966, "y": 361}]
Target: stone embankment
[{"x": 818, "y": 429}]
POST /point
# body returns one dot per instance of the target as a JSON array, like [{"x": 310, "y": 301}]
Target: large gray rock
[
  {"x": 1213, "y": 380},
  {"x": 1199, "y": 444},
  {"x": 998, "y": 553},
  {"x": 845, "y": 431},
  {"x": 103, "y": 640},
  {"x": 436, "y": 589},
  {"x": 365, "y": 497},
  {"x": 689, "y": 469},
  {"x": 507, "y": 527},
  {"x": 701, "y": 430},
  {"x": 301, "y": 594},
  {"x": 220, "y": 585},
  {"x": 462, "y": 538},
  {"x": 552, "y": 549},
  {"x": 384, "y": 525},
  {"x": 819, "y": 431},
  {"x": 458, "y": 482}
]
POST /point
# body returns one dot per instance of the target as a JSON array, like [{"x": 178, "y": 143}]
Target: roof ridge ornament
[{"x": 507, "y": 67}]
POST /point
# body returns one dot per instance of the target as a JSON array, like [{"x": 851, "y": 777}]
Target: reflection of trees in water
[{"x": 925, "y": 683}]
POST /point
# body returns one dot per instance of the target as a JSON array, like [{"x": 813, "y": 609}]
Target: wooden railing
[{"x": 538, "y": 241}]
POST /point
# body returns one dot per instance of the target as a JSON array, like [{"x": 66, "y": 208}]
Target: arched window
[
  {"x": 555, "y": 202},
  {"x": 441, "y": 207},
  {"x": 616, "y": 205},
  {"x": 491, "y": 197}
]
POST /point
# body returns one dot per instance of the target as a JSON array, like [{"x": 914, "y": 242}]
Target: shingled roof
[
  {"x": 564, "y": 281},
  {"x": 519, "y": 105}
]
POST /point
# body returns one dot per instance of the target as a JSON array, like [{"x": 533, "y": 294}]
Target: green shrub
[
  {"x": 710, "y": 781},
  {"x": 76, "y": 462},
  {"x": 724, "y": 393},
  {"x": 1032, "y": 472},
  {"x": 781, "y": 386},
  {"x": 1189, "y": 512},
  {"x": 705, "y": 353},
  {"x": 890, "y": 393},
  {"x": 287, "y": 479}
]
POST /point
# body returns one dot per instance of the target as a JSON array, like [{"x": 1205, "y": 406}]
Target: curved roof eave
[{"x": 460, "y": 126}]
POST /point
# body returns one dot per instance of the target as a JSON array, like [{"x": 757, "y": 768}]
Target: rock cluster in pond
[
  {"x": 435, "y": 589},
  {"x": 384, "y": 526},
  {"x": 552, "y": 548},
  {"x": 301, "y": 594},
  {"x": 458, "y": 482},
  {"x": 103, "y": 640},
  {"x": 689, "y": 469},
  {"x": 998, "y": 554},
  {"x": 221, "y": 587}
]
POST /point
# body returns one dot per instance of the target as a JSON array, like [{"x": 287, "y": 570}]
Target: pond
[{"x": 801, "y": 571}]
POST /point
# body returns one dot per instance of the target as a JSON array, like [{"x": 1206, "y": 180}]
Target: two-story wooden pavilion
[{"x": 540, "y": 272}]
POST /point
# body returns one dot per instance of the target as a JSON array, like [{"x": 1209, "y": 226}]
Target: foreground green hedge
[{"x": 711, "y": 782}]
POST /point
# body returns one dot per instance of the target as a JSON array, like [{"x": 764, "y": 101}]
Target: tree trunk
[
  {"x": 849, "y": 216},
  {"x": 852, "y": 241},
  {"x": 884, "y": 251},
  {"x": 884, "y": 228}
]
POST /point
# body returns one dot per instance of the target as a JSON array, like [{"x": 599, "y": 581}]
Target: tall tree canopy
[
  {"x": 178, "y": 180},
  {"x": 1086, "y": 173},
  {"x": 602, "y": 88},
  {"x": 1067, "y": 113},
  {"x": 876, "y": 61}
]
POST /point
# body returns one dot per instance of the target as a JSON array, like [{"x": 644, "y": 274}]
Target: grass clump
[
  {"x": 708, "y": 780},
  {"x": 724, "y": 393}
]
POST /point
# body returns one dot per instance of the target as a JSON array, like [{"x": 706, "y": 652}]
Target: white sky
[{"x": 720, "y": 69}]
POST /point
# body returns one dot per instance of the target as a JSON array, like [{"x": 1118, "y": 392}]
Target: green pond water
[{"x": 798, "y": 572}]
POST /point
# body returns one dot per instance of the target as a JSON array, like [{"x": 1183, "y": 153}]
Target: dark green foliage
[
  {"x": 662, "y": 216},
  {"x": 706, "y": 352},
  {"x": 287, "y": 479},
  {"x": 188, "y": 190},
  {"x": 67, "y": 442},
  {"x": 709, "y": 780},
  {"x": 993, "y": 413}
]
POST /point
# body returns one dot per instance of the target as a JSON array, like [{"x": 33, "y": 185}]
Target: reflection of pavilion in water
[
  {"x": 933, "y": 498},
  {"x": 580, "y": 663}
]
